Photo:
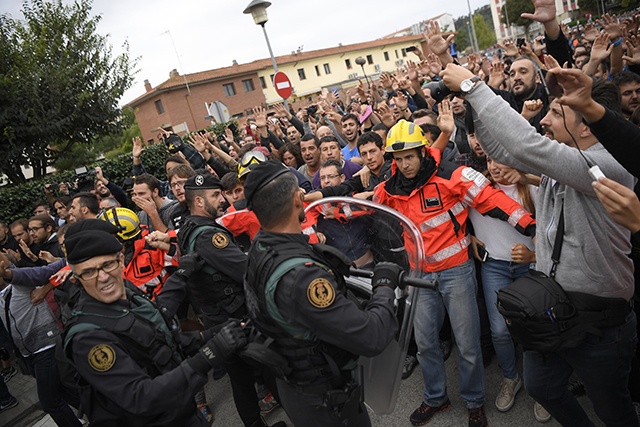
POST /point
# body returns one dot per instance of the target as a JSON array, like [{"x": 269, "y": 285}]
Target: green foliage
[
  {"x": 513, "y": 9},
  {"x": 59, "y": 84},
  {"x": 486, "y": 36},
  {"x": 17, "y": 200},
  {"x": 591, "y": 6},
  {"x": 462, "y": 27}
]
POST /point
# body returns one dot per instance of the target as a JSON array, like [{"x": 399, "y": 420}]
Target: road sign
[
  {"x": 282, "y": 84},
  {"x": 218, "y": 111}
]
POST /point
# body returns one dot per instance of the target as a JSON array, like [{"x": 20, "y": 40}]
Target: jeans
[
  {"x": 497, "y": 274},
  {"x": 54, "y": 397},
  {"x": 456, "y": 294},
  {"x": 603, "y": 365}
]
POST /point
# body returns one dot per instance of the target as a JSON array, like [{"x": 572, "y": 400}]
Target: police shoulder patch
[
  {"x": 321, "y": 293},
  {"x": 220, "y": 240},
  {"x": 102, "y": 357}
]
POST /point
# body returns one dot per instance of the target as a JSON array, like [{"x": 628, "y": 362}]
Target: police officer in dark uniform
[
  {"x": 130, "y": 357},
  {"x": 296, "y": 296},
  {"x": 215, "y": 291}
]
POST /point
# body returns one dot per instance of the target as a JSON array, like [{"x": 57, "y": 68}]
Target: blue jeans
[
  {"x": 497, "y": 274},
  {"x": 53, "y": 395},
  {"x": 456, "y": 294},
  {"x": 602, "y": 363}
]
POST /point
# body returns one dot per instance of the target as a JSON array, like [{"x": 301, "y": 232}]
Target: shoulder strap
[
  {"x": 270, "y": 294},
  {"x": 557, "y": 244}
]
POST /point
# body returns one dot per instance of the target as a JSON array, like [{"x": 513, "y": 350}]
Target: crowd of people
[{"x": 112, "y": 296}]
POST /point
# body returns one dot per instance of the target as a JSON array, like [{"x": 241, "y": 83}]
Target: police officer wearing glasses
[
  {"x": 296, "y": 296},
  {"x": 131, "y": 358}
]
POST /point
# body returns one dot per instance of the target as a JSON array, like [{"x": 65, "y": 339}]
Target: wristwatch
[{"x": 468, "y": 84}]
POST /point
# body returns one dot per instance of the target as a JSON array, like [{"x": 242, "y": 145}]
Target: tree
[
  {"x": 513, "y": 9},
  {"x": 59, "y": 84},
  {"x": 486, "y": 37}
]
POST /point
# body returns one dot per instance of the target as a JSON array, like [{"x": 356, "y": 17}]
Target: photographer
[{"x": 105, "y": 188}]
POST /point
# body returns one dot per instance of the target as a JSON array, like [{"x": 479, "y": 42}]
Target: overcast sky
[{"x": 211, "y": 34}]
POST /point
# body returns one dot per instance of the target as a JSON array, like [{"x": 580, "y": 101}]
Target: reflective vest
[
  {"x": 147, "y": 268},
  {"x": 439, "y": 208}
]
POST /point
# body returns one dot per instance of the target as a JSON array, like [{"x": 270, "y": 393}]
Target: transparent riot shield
[{"x": 369, "y": 233}]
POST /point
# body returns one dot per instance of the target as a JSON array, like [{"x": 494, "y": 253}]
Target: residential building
[{"x": 180, "y": 102}]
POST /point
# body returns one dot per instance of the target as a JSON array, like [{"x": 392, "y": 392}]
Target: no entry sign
[{"x": 282, "y": 84}]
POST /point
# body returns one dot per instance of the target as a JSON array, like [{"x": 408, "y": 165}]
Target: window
[
  {"x": 317, "y": 70},
  {"x": 301, "y": 74},
  {"x": 369, "y": 59},
  {"x": 248, "y": 85},
  {"x": 272, "y": 78},
  {"x": 386, "y": 56},
  {"x": 229, "y": 89},
  {"x": 397, "y": 54},
  {"x": 347, "y": 62},
  {"x": 159, "y": 107},
  {"x": 327, "y": 70},
  {"x": 404, "y": 52},
  {"x": 263, "y": 84}
]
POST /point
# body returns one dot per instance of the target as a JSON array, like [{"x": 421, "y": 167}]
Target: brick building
[{"x": 179, "y": 102}]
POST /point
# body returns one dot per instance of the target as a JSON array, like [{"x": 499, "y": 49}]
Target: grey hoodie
[{"x": 595, "y": 250}]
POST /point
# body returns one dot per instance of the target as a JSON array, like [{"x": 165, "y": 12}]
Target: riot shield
[{"x": 390, "y": 236}]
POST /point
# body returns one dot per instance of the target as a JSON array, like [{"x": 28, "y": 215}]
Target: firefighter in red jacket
[{"x": 437, "y": 198}]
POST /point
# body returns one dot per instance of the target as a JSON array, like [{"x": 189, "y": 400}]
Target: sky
[{"x": 210, "y": 34}]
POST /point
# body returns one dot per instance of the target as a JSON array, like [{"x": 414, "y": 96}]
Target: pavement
[{"x": 29, "y": 414}]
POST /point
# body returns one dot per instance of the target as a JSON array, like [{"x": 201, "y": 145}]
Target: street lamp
[
  {"x": 361, "y": 61},
  {"x": 258, "y": 10}
]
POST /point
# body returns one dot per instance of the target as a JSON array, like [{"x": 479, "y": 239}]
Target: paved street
[{"x": 219, "y": 395}]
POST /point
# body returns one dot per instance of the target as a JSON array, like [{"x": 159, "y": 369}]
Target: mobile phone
[
  {"x": 482, "y": 252},
  {"x": 520, "y": 42},
  {"x": 410, "y": 48}
]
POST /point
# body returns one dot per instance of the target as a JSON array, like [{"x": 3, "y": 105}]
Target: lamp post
[
  {"x": 361, "y": 61},
  {"x": 258, "y": 10},
  {"x": 473, "y": 29}
]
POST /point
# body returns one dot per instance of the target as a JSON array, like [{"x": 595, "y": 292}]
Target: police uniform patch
[
  {"x": 321, "y": 293},
  {"x": 102, "y": 357},
  {"x": 220, "y": 240}
]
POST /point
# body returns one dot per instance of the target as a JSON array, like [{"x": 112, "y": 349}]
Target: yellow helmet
[
  {"x": 123, "y": 218},
  {"x": 248, "y": 162},
  {"x": 403, "y": 136}
]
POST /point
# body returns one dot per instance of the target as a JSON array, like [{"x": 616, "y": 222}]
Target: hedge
[{"x": 17, "y": 200}]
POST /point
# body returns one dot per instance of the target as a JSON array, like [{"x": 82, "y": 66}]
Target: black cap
[
  {"x": 261, "y": 175},
  {"x": 91, "y": 225},
  {"x": 84, "y": 245},
  {"x": 203, "y": 182}
]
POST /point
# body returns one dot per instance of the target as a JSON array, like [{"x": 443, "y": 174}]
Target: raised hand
[
  {"x": 136, "y": 151},
  {"x": 260, "y": 115},
  {"x": 436, "y": 42},
  {"x": 545, "y": 11}
]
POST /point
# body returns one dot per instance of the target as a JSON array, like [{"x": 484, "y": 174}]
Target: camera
[
  {"x": 85, "y": 178},
  {"x": 520, "y": 42},
  {"x": 312, "y": 110},
  {"x": 438, "y": 90},
  {"x": 174, "y": 143}
]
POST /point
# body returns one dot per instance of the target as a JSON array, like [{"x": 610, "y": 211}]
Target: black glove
[
  {"x": 225, "y": 343},
  {"x": 386, "y": 274},
  {"x": 189, "y": 264}
]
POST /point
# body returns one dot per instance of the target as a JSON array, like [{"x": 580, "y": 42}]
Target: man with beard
[
  {"x": 215, "y": 290},
  {"x": 310, "y": 150},
  {"x": 83, "y": 206},
  {"x": 42, "y": 230},
  {"x": 154, "y": 209},
  {"x": 629, "y": 85},
  {"x": 105, "y": 188}
]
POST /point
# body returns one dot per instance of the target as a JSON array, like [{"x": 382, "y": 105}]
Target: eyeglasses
[
  {"x": 252, "y": 157},
  {"x": 326, "y": 177},
  {"x": 178, "y": 184},
  {"x": 33, "y": 229},
  {"x": 92, "y": 273}
]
